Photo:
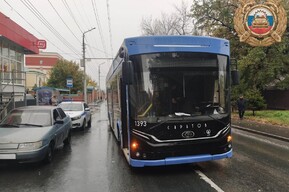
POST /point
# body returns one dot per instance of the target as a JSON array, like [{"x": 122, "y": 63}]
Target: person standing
[
  {"x": 241, "y": 104},
  {"x": 53, "y": 100}
]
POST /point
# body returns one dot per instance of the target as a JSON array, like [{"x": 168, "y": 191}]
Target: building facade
[
  {"x": 15, "y": 42},
  {"x": 38, "y": 68},
  {"x": 35, "y": 78}
]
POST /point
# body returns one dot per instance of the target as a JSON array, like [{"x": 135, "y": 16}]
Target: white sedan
[{"x": 79, "y": 112}]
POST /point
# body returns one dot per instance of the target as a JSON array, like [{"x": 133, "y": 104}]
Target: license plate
[{"x": 7, "y": 156}]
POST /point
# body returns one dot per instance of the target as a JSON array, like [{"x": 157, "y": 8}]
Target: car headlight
[
  {"x": 75, "y": 118},
  {"x": 30, "y": 146}
]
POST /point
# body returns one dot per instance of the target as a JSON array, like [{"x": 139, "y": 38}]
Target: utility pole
[
  {"x": 99, "y": 75},
  {"x": 84, "y": 67}
]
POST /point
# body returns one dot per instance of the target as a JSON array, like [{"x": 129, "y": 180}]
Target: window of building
[
  {"x": 0, "y": 47},
  {"x": 19, "y": 55},
  {"x": 6, "y": 69},
  {"x": 5, "y": 49},
  {"x": 12, "y": 53},
  {"x": 11, "y": 62}
]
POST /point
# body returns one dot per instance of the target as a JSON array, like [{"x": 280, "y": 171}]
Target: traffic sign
[{"x": 69, "y": 82}]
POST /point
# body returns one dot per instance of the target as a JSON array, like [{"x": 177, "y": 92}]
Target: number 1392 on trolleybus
[{"x": 168, "y": 99}]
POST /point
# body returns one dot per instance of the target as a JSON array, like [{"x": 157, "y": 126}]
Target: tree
[
  {"x": 91, "y": 82},
  {"x": 255, "y": 101},
  {"x": 63, "y": 69},
  {"x": 260, "y": 67},
  {"x": 213, "y": 15},
  {"x": 178, "y": 23}
]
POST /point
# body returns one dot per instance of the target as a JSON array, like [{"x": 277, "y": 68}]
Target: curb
[{"x": 261, "y": 133}]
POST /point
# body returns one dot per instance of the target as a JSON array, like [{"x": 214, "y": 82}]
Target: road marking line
[{"x": 209, "y": 181}]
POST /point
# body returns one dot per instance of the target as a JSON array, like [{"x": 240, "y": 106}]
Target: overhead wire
[
  {"x": 63, "y": 52},
  {"x": 46, "y": 23},
  {"x": 50, "y": 27},
  {"x": 98, "y": 24},
  {"x": 83, "y": 21},
  {"x": 109, "y": 26},
  {"x": 87, "y": 19},
  {"x": 68, "y": 8},
  {"x": 97, "y": 49},
  {"x": 63, "y": 21},
  {"x": 30, "y": 6},
  {"x": 71, "y": 14}
]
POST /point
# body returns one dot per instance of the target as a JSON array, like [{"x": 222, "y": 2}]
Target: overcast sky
[{"x": 62, "y": 23}]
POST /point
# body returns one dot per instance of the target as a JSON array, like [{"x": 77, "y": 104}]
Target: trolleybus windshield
[{"x": 179, "y": 85}]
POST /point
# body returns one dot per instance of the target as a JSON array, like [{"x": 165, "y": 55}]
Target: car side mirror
[{"x": 59, "y": 122}]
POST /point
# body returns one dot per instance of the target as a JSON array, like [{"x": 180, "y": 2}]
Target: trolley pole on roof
[{"x": 84, "y": 67}]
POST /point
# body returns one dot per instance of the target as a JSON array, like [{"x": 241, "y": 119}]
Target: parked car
[
  {"x": 79, "y": 113},
  {"x": 32, "y": 133}
]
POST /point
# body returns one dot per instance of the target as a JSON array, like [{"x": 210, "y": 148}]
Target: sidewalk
[{"x": 275, "y": 131}]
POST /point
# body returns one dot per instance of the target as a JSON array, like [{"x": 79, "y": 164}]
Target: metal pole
[
  {"x": 99, "y": 75},
  {"x": 13, "y": 89},
  {"x": 84, "y": 72},
  {"x": 99, "y": 90},
  {"x": 84, "y": 67},
  {"x": 1, "y": 80}
]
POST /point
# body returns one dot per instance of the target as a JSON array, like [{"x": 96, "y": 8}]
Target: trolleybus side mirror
[
  {"x": 121, "y": 53},
  {"x": 127, "y": 72}
]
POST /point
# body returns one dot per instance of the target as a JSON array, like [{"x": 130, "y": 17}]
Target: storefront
[{"x": 15, "y": 42}]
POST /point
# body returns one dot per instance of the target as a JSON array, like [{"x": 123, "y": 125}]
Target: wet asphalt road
[{"x": 94, "y": 163}]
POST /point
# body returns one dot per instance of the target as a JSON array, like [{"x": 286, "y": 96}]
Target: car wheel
[
  {"x": 89, "y": 123},
  {"x": 83, "y": 125},
  {"x": 49, "y": 155},
  {"x": 67, "y": 141}
]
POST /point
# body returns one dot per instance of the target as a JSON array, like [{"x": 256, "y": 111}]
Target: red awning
[{"x": 15, "y": 33}]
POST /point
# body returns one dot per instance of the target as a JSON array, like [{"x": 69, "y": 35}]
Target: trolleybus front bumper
[{"x": 180, "y": 160}]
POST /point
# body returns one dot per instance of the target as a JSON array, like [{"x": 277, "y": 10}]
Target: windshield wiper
[
  {"x": 8, "y": 125},
  {"x": 29, "y": 124},
  {"x": 161, "y": 122},
  {"x": 181, "y": 114}
]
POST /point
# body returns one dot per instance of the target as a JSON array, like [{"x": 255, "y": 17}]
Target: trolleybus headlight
[{"x": 229, "y": 138}]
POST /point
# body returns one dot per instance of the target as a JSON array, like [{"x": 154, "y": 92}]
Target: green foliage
[
  {"x": 213, "y": 15},
  {"x": 270, "y": 116},
  {"x": 61, "y": 71},
  {"x": 92, "y": 82},
  {"x": 260, "y": 67},
  {"x": 255, "y": 101}
]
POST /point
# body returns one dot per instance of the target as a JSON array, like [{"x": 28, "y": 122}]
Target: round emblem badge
[
  {"x": 260, "y": 24},
  {"x": 260, "y": 21}
]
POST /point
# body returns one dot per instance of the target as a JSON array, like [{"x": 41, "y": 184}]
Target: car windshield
[
  {"x": 27, "y": 118},
  {"x": 71, "y": 106}
]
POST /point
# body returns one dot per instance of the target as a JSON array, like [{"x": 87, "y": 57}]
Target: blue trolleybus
[{"x": 168, "y": 99}]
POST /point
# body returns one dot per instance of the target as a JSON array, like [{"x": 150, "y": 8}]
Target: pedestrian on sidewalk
[{"x": 241, "y": 104}]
